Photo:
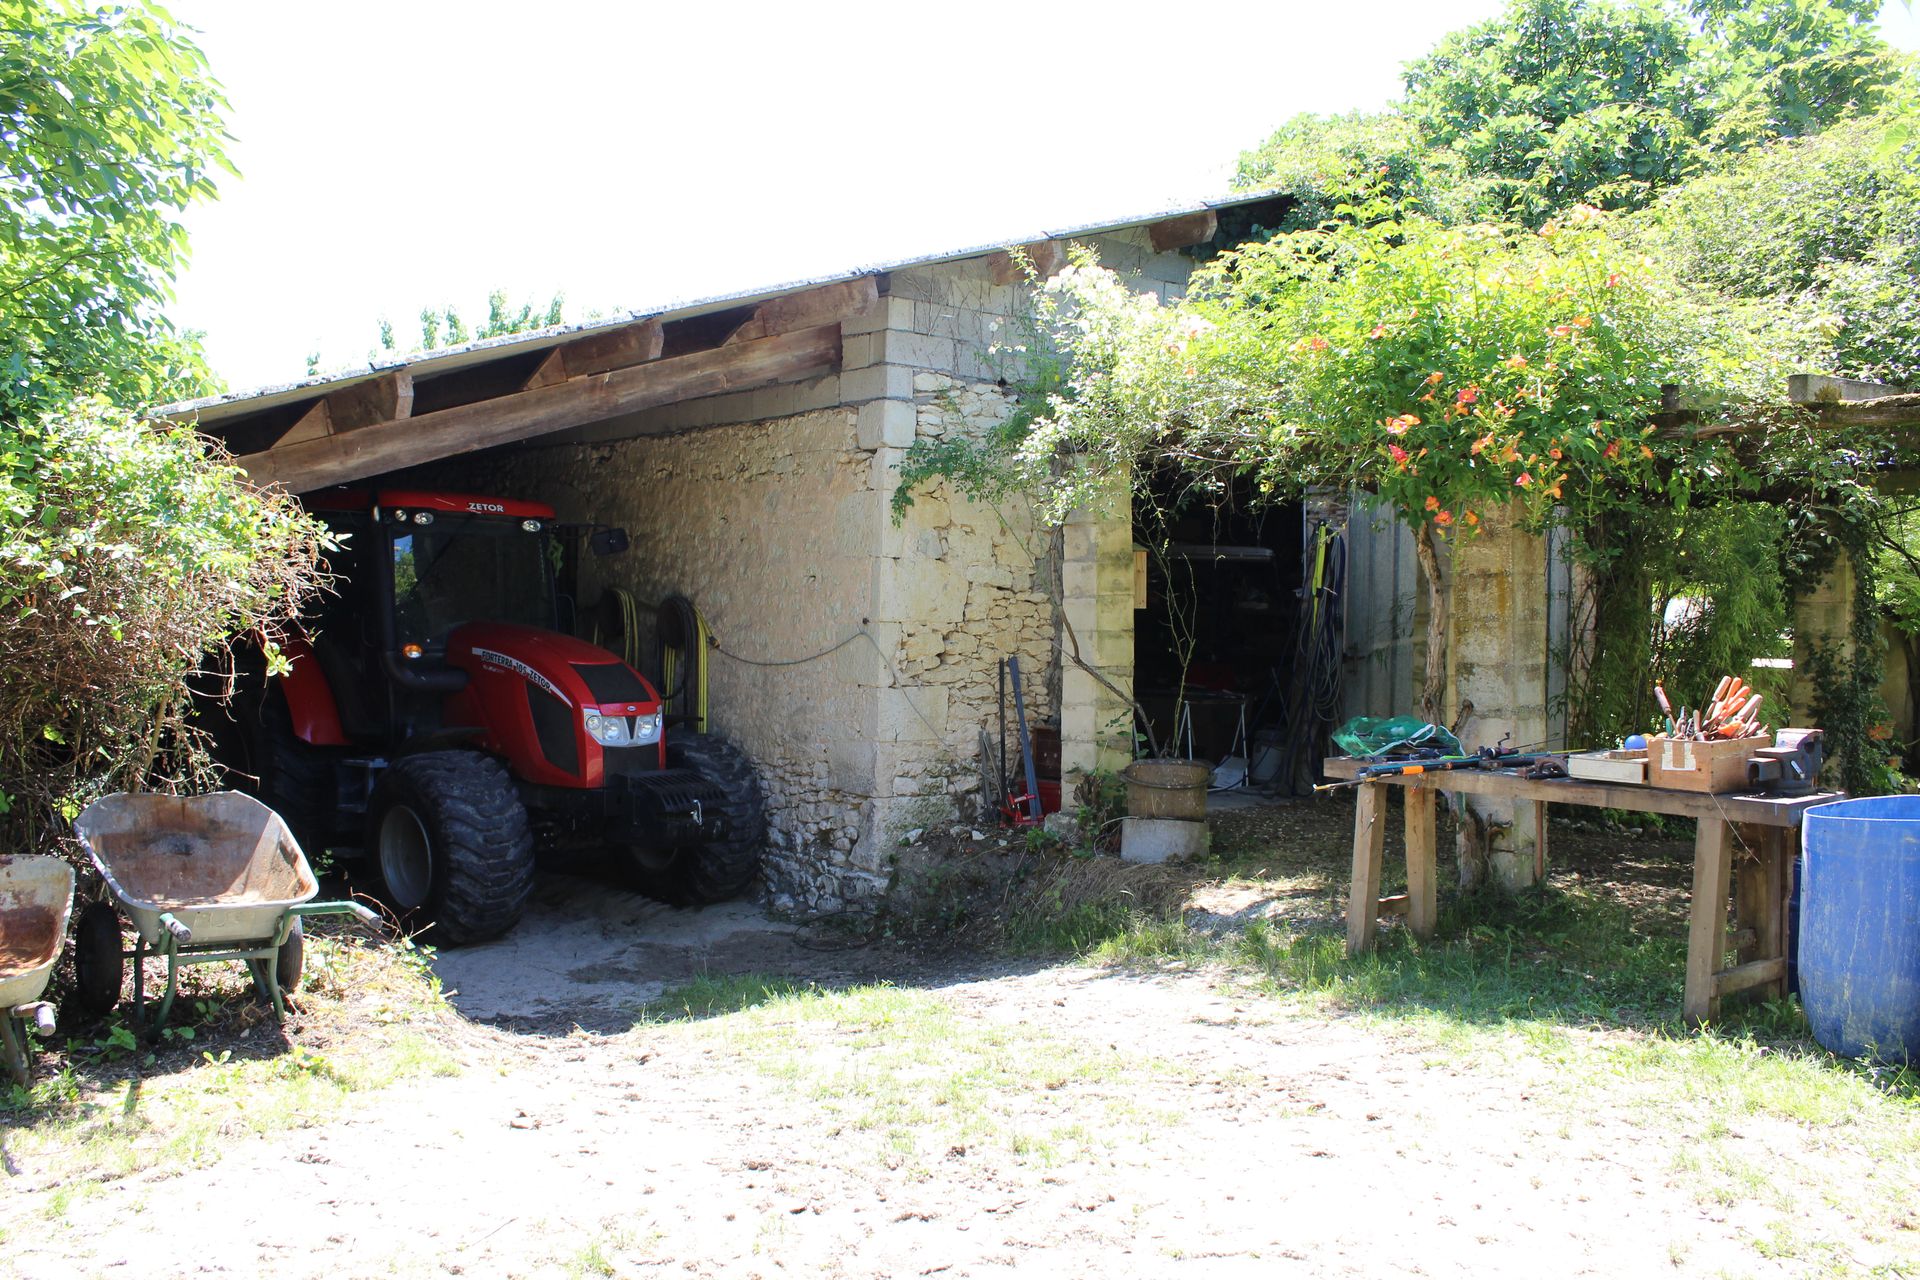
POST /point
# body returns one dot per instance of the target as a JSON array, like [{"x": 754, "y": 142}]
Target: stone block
[
  {"x": 886, "y": 423},
  {"x": 856, "y": 350},
  {"x": 916, "y": 714},
  {"x": 875, "y": 382},
  {"x": 1162, "y": 840},
  {"x": 917, "y": 590},
  {"x": 917, "y": 350},
  {"x": 857, "y": 519},
  {"x": 886, "y": 313},
  {"x": 851, "y": 766}
]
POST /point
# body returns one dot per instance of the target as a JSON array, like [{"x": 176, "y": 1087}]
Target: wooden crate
[
  {"x": 1712, "y": 767},
  {"x": 1610, "y": 766}
]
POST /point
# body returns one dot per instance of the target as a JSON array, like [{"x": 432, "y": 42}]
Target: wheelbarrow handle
[
  {"x": 40, "y": 1011},
  {"x": 363, "y": 914},
  {"x": 180, "y": 932}
]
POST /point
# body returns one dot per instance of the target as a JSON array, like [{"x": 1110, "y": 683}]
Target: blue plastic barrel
[{"x": 1860, "y": 927}]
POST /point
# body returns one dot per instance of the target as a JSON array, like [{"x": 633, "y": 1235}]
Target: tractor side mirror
[{"x": 608, "y": 542}]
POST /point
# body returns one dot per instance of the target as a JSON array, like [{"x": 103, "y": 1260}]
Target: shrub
[{"x": 129, "y": 552}]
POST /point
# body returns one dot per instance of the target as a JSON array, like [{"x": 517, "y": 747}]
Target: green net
[{"x": 1370, "y": 736}]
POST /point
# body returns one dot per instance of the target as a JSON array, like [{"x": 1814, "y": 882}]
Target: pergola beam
[{"x": 404, "y": 442}]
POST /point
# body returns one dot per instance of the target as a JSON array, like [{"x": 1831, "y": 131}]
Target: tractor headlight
[
  {"x": 608, "y": 731},
  {"x": 646, "y": 729}
]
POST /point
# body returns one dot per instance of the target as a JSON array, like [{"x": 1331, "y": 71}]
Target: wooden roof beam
[
  {"x": 387, "y": 398},
  {"x": 1188, "y": 229},
  {"x": 1048, "y": 258},
  {"x": 828, "y": 304},
  {"x": 600, "y": 353},
  {"x": 389, "y": 446}
]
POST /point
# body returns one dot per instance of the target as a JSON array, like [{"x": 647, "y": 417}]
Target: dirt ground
[{"x": 1176, "y": 1127}]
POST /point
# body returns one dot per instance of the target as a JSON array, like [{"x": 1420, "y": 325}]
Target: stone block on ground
[{"x": 1162, "y": 839}]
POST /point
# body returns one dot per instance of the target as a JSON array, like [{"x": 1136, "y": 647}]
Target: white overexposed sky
[{"x": 404, "y": 153}]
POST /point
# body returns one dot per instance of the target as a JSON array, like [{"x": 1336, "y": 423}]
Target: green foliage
[
  {"x": 1453, "y": 370},
  {"x": 1558, "y": 102},
  {"x": 127, "y": 554},
  {"x": 444, "y": 327},
  {"x": 1683, "y": 598},
  {"x": 1824, "y": 229},
  {"x": 1563, "y": 102},
  {"x": 109, "y": 128}
]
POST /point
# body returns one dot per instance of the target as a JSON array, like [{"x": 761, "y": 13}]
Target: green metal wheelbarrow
[
  {"x": 201, "y": 879},
  {"x": 35, "y": 896}
]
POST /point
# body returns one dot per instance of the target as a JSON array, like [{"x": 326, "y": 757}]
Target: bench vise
[{"x": 1791, "y": 766}]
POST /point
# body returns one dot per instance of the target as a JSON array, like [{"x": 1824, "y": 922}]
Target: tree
[
  {"x": 109, "y": 128},
  {"x": 1559, "y": 102},
  {"x": 444, "y": 327},
  {"x": 128, "y": 552}
]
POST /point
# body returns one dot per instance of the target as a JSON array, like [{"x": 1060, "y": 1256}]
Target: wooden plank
[
  {"x": 1423, "y": 911},
  {"x": 1887, "y": 411},
  {"x": 1774, "y": 811},
  {"x": 828, "y": 304},
  {"x": 1539, "y": 842},
  {"x": 1178, "y": 233},
  {"x": 1369, "y": 847},
  {"x": 1761, "y": 900},
  {"x": 377, "y": 449},
  {"x": 1707, "y": 920},
  {"x": 1045, "y": 258},
  {"x": 387, "y": 398},
  {"x": 1747, "y": 976}
]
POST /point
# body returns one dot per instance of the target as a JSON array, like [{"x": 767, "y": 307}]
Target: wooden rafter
[
  {"x": 828, "y": 304},
  {"x": 382, "y": 399},
  {"x": 404, "y": 442},
  {"x": 1047, "y": 258},
  {"x": 1178, "y": 233},
  {"x": 600, "y": 353}
]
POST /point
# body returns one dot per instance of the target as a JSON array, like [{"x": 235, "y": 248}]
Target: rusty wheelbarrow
[
  {"x": 201, "y": 879},
  {"x": 35, "y": 896}
]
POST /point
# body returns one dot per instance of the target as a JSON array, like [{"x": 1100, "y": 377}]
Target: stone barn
[{"x": 749, "y": 446}]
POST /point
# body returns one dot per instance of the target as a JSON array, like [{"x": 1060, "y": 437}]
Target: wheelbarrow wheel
[
  {"x": 293, "y": 959},
  {"x": 450, "y": 836},
  {"x": 99, "y": 965}
]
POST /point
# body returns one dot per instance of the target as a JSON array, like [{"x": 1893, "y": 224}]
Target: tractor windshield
[{"x": 463, "y": 569}]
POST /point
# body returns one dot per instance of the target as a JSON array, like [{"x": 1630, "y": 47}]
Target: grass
[
  {"x": 906, "y": 1081},
  {"x": 114, "y": 1106},
  {"x": 1569, "y": 984}
]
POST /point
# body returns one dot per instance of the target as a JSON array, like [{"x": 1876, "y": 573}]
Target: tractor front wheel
[
  {"x": 450, "y": 837},
  {"x": 721, "y": 868}
]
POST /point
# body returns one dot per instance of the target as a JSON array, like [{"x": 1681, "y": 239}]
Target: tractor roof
[{"x": 361, "y": 499}]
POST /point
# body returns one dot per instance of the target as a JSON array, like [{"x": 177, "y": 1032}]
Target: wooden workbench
[{"x": 1756, "y": 826}]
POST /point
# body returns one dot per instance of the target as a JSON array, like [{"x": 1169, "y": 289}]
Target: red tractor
[{"x": 439, "y": 719}]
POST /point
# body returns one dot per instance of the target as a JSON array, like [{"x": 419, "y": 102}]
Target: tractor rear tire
[
  {"x": 717, "y": 870},
  {"x": 450, "y": 837}
]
